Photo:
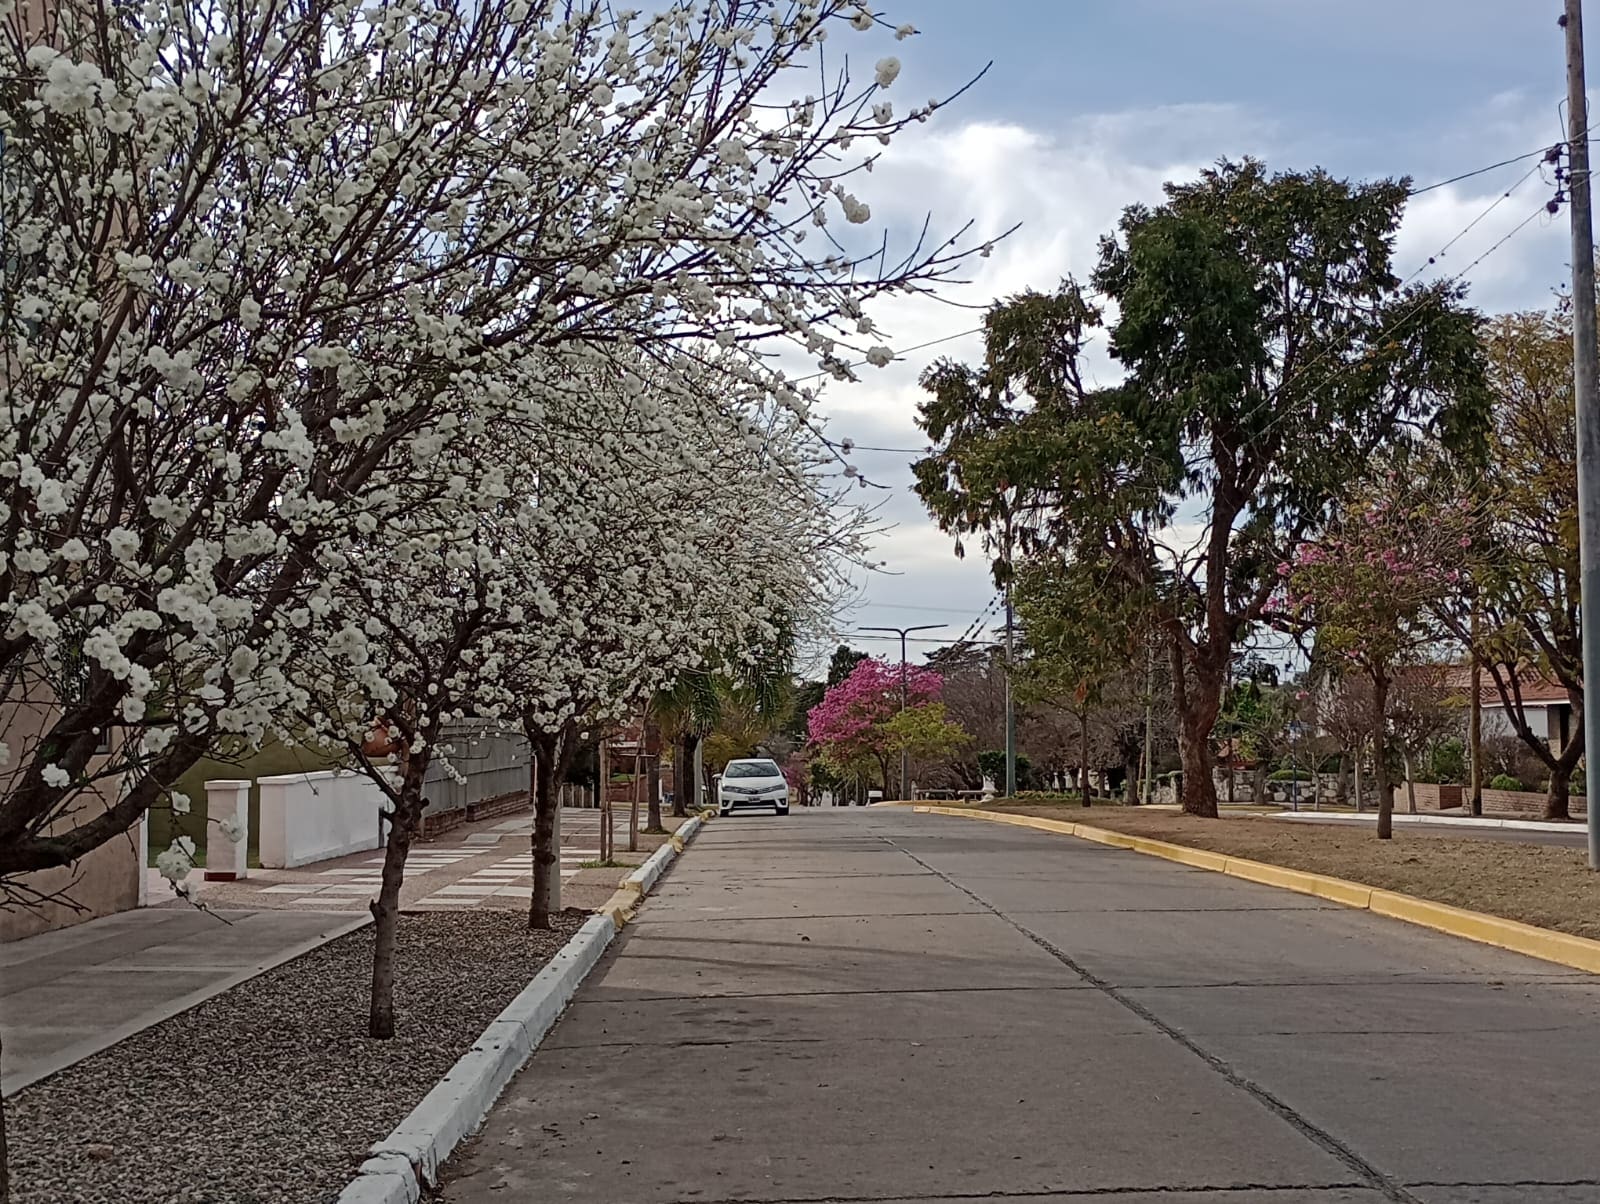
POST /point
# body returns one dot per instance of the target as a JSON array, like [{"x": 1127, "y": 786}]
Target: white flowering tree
[
  {"x": 266, "y": 263},
  {"x": 684, "y": 520}
]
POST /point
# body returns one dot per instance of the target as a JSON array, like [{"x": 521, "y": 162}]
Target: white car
[{"x": 755, "y": 782}]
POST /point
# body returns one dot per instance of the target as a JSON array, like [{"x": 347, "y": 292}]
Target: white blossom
[{"x": 887, "y": 71}]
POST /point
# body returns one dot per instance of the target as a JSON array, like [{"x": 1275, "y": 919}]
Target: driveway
[{"x": 890, "y": 1007}]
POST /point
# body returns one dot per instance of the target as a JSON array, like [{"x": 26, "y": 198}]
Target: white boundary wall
[{"x": 309, "y": 817}]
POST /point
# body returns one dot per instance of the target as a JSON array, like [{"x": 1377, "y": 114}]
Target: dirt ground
[{"x": 1550, "y": 886}]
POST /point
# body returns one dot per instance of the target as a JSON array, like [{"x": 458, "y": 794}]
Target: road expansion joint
[{"x": 1372, "y": 1177}]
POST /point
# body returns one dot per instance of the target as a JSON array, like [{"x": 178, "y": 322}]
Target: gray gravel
[{"x": 271, "y": 1093}]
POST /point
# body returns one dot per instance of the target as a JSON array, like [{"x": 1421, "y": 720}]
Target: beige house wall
[{"x": 107, "y": 880}]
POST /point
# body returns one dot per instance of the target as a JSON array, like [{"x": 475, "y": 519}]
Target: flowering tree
[
  {"x": 272, "y": 267},
  {"x": 1366, "y": 588},
  {"x": 851, "y": 725}
]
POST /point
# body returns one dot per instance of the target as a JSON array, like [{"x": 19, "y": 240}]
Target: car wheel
[
  {"x": 724, "y": 812},
  {"x": 781, "y": 810}
]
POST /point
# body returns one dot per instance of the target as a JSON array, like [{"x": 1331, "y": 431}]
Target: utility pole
[
  {"x": 1011, "y": 703},
  {"x": 1586, "y": 368},
  {"x": 903, "y": 632}
]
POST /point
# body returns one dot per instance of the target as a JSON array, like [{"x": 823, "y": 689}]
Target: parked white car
[{"x": 755, "y": 782}]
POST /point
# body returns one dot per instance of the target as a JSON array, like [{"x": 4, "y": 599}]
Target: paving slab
[
  {"x": 1134, "y": 949},
  {"x": 824, "y": 953},
  {"x": 1440, "y": 1008},
  {"x": 1142, "y": 890},
  {"x": 684, "y": 898},
  {"x": 1096, "y": 1025},
  {"x": 911, "y": 1018},
  {"x": 860, "y": 1121},
  {"x": 1402, "y": 1098}
]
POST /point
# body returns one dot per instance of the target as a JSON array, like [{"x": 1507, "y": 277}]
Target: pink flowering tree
[
  {"x": 854, "y": 728},
  {"x": 1367, "y": 588}
]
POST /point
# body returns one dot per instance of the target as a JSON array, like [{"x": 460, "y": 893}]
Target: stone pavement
[{"x": 879, "y": 1006}]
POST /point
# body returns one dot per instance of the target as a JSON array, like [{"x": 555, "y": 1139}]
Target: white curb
[
  {"x": 409, "y": 1157},
  {"x": 646, "y": 876}
]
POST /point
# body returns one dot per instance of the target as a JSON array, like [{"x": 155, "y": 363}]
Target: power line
[{"x": 1467, "y": 175}]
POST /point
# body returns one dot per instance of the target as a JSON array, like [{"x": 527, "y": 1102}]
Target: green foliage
[
  {"x": 1270, "y": 353},
  {"x": 992, "y": 765},
  {"x": 923, "y": 732},
  {"x": 1447, "y": 762},
  {"x": 1504, "y": 781},
  {"x": 841, "y": 664},
  {"x": 1289, "y": 775}
]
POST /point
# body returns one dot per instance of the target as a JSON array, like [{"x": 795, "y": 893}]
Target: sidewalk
[{"x": 67, "y": 994}]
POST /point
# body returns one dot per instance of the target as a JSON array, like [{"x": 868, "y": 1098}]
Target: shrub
[
  {"x": 1447, "y": 762},
  {"x": 1504, "y": 781},
  {"x": 1290, "y": 775}
]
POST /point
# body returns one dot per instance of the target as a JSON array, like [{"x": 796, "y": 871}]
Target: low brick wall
[
  {"x": 441, "y": 822},
  {"x": 1506, "y": 802}
]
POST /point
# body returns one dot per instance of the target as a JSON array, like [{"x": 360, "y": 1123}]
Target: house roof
[{"x": 1535, "y": 688}]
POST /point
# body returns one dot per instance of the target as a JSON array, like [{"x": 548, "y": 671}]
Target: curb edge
[{"x": 1544, "y": 944}]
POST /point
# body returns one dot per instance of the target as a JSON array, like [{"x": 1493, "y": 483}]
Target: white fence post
[{"x": 227, "y": 799}]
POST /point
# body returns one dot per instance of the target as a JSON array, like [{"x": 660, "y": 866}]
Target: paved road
[{"x": 889, "y": 1007}]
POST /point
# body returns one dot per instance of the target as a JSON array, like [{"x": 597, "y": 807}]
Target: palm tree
[{"x": 749, "y": 689}]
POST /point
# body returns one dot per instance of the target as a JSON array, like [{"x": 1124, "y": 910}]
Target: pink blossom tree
[
  {"x": 851, "y": 727},
  {"x": 1367, "y": 589}
]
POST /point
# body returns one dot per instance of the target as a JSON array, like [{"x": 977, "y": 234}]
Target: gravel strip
[{"x": 271, "y": 1093}]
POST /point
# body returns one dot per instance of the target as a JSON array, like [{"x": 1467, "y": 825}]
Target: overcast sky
[{"x": 1091, "y": 104}]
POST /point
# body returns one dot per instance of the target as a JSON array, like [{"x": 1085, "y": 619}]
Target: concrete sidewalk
[
  {"x": 889, "y": 1007},
  {"x": 67, "y": 994}
]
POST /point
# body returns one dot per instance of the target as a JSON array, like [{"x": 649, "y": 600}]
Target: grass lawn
[{"x": 1547, "y": 885}]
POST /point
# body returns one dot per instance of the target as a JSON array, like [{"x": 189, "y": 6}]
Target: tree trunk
[
  {"x": 1558, "y": 798},
  {"x": 546, "y": 856},
  {"x": 1198, "y": 702},
  {"x": 5, "y": 1157},
  {"x": 1380, "y": 758},
  {"x": 405, "y": 818},
  {"x": 653, "y": 820},
  {"x": 1130, "y": 783},
  {"x": 1341, "y": 786},
  {"x": 1475, "y": 727},
  {"x": 683, "y": 774},
  {"x": 1258, "y": 783},
  {"x": 1360, "y": 792},
  {"x": 1411, "y": 784}
]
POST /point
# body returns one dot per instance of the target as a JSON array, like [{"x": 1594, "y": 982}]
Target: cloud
[{"x": 1067, "y": 186}]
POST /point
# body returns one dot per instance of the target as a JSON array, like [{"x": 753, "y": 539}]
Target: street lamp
[{"x": 903, "y": 632}]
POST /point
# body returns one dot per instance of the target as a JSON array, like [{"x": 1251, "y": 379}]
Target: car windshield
[{"x": 752, "y": 769}]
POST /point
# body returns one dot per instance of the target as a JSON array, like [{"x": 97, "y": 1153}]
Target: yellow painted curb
[{"x": 1545, "y": 944}]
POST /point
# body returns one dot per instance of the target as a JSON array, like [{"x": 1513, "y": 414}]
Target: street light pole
[
  {"x": 1586, "y": 386},
  {"x": 903, "y": 632}
]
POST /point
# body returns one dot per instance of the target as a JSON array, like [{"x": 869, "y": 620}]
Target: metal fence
[{"x": 491, "y": 761}]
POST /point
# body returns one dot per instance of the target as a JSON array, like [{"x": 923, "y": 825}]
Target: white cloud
[{"x": 1067, "y": 187}]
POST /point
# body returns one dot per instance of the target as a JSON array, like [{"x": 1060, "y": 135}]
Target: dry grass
[{"x": 1547, "y": 885}]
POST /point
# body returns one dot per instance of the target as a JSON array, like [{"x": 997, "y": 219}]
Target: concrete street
[{"x": 890, "y": 1007}]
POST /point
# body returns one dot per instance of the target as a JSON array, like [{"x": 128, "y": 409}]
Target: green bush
[
  {"x": 1289, "y": 775},
  {"x": 1504, "y": 781},
  {"x": 1447, "y": 762}
]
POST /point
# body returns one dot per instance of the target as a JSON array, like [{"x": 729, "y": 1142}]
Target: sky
[{"x": 1090, "y": 105}]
